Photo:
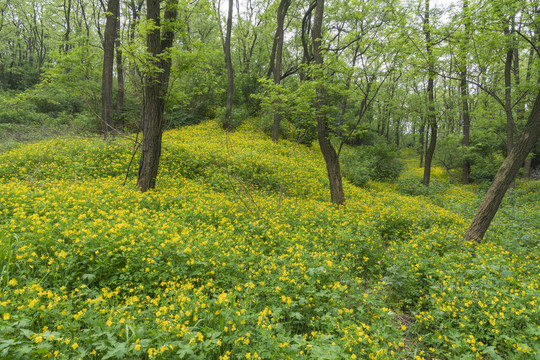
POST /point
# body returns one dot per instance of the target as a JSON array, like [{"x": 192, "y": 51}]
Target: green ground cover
[{"x": 238, "y": 255}]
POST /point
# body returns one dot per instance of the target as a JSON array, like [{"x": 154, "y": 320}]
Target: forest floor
[{"x": 238, "y": 254}]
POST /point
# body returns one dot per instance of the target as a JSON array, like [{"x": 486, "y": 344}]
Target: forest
[{"x": 249, "y": 179}]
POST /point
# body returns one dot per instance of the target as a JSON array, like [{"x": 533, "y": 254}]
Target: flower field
[{"x": 238, "y": 254}]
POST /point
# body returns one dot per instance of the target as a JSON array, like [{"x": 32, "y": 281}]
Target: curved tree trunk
[
  {"x": 337, "y": 195},
  {"x": 505, "y": 176}
]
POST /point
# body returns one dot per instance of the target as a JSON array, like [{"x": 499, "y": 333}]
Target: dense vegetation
[
  {"x": 121, "y": 241},
  {"x": 378, "y": 64},
  {"x": 239, "y": 255}
]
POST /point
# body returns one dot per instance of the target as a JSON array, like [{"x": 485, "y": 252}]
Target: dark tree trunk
[
  {"x": 228, "y": 64},
  {"x": 432, "y": 121},
  {"x": 421, "y": 141},
  {"x": 108, "y": 62},
  {"x": 505, "y": 176},
  {"x": 397, "y": 131},
  {"x": 466, "y": 171},
  {"x": 155, "y": 89},
  {"x": 430, "y": 151},
  {"x": 67, "y": 13},
  {"x": 135, "y": 74},
  {"x": 464, "y": 90},
  {"x": 307, "y": 55},
  {"x": 337, "y": 195},
  {"x": 120, "y": 74},
  {"x": 510, "y": 125},
  {"x": 276, "y": 67}
]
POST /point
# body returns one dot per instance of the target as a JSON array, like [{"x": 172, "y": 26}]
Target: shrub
[
  {"x": 238, "y": 116},
  {"x": 379, "y": 162}
]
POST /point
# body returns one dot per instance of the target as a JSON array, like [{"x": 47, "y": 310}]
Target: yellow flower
[
  {"x": 75, "y": 346},
  {"x": 6, "y": 316},
  {"x": 137, "y": 347},
  {"x": 12, "y": 282}
]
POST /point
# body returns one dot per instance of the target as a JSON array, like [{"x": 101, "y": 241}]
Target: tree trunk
[
  {"x": 421, "y": 141},
  {"x": 278, "y": 41},
  {"x": 228, "y": 64},
  {"x": 155, "y": 89},
  {"x": 337, "y": 195},
  {"x": 120, "y": 74},
  {"x": 432, "y": 121},
  {"x": 108, "y": 62},
  {"x": 464, "y": 90},
  {"x": 510, "y": 125},
  {"x": 67, "y": 13},
  {"x": 506, "y": 174}
]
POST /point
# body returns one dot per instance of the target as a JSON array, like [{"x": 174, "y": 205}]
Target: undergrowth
[{"x": 239, "y": 255}]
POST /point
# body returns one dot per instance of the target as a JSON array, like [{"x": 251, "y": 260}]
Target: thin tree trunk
[
  {"x": 67, "y": 12},
  {"x": 120, "y": 74},
  {"x": 108, "y": 62},
  {"x": 228, "y": 64},
  {"x": 421, "y": 141},
  {"x": 155, "y": 88},
  {"x": 278, "y": 41},
  {"x": 337, "y": 195},
  {"x": 505, "y": 176},
  {"x": 510, "y": 125},
  {"x": 464, "y": 90},
  {"x": 432, "y": 121}
]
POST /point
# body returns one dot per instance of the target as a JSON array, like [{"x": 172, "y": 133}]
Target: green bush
[
  {"x": 379, "y": 162},
  {"x": 238, "y": 116},
  {"x": 179, "y": 117}
]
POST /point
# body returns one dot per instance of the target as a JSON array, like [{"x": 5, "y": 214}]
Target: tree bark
[
  {"x": 67, "y": 12},
  {"x": 421, "y": 141},
  {"x": 155, "y": 88},
  {"x": 275, "y": 64},
  {"x": 505, "y": 176},
  {"x": 108, "y": 62},
  {"x": 431, "y": 119},
  {"x": 337, "y": 195},
  {"x": 510, "y": 125},
  {"x": 464, "y": 90},
  {"x": 120, "y": 75},
  {"x": 228, "y": 64}
]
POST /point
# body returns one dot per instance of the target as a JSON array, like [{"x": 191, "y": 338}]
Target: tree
[
  {"x": 228, "y": 64},
  {"x": 276, "y": 58},
  {"x": 113, "y": 12},
  {"x": 155, "y": 88},
  {"x": 505, "y": 176},
  {"x": 120, "y": 74},
  {"x": 431, "y": 118},
  {"x": 464, "y": 91},
  {"x": 333, "y": 169}
]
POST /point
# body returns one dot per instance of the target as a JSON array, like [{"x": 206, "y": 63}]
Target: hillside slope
[{"x": 238, "y": 255}]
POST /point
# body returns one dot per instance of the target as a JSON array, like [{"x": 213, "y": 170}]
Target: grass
[{"x": 239, "y": 255}]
